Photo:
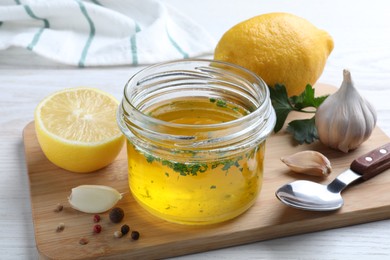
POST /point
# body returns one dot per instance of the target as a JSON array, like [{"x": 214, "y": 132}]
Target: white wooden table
[{"x": 361, "y": 31}]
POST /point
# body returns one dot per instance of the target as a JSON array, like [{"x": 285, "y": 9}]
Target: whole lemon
[{"x": 279, "y": 47}]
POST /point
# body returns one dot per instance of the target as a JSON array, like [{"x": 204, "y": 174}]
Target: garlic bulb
[{"x": 345, "y": 119}]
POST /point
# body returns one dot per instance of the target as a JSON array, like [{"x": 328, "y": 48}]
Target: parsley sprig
[{"x": 303, "y": 130}]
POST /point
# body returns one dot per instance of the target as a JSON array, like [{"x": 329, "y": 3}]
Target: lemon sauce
[
  {"x": 196, "y": 132},
  {"x": 193, "y": 188}
]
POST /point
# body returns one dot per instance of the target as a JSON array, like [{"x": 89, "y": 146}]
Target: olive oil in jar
[
  {"x": 190, "y": 188},
  {"x": 196, "y": 132}
]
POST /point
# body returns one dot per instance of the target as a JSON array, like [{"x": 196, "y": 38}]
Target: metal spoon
[{"x": 308, "y": 195}]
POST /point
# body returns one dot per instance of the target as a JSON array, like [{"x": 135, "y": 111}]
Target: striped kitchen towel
[{"x": 101, "y": 32}]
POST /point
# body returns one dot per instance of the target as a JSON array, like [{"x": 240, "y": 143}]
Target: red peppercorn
[
  {"x": 97, "y": 228},
  {"x": 96, "y": 218}
]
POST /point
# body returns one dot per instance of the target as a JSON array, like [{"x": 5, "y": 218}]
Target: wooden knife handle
[{"x": 373, "y": 162}]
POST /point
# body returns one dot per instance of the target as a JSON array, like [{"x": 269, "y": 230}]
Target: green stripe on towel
[
  {"x": 133, "y": 43},
  {"x": 96, "y": 2},
  {"x": 40, "y": 31},
  {"x": 174, "y": 43},
  {"x": 91, "y": 34}
]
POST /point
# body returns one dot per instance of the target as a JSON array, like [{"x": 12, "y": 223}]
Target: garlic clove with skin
[
  {"x": 93, "y": 198},
  {"x": 308, "y": 162},
  {"x": 345, "y": 119}
]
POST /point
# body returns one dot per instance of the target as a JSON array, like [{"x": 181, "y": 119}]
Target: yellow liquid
[{"x": 191, "y": 192}]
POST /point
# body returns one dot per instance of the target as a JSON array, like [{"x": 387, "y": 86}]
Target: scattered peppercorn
[
  {"x": 83, "y": 241},
  {"x": 118, "y": 234},
  {"x": 96, "y": 218},
  {"x": 116, "y": 215},
  {"x": 97, "y": 228},
  {"x": 135, "y": 235},
  {"x": 125, "y": 229},
  {"x": 60, "y": 227},
  {"x": 59, "y": 208}
]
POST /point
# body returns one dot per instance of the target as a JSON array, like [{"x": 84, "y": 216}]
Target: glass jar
[{"x": 196, "y": 132}]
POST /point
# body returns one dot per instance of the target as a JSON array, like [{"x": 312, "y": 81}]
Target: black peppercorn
[
  {"x": 125, "y": 229},
  {"x": 135, "y": 235},
  {"x": 116, "y": 215}
]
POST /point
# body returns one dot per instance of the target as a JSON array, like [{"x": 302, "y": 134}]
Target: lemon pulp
[{"x": 76, "y": 129}]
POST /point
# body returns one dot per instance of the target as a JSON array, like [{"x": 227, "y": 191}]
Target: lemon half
[{"x": 77, "y": 130}]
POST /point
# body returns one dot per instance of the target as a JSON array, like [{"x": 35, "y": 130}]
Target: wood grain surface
[{"x": 267, "y": 219}]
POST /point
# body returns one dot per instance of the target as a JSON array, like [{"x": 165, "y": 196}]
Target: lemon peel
[{"x": 281, "y": 48}]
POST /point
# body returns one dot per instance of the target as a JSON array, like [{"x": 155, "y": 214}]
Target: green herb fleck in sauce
[
  {"x": 221, "y": 103},
  {"x": 193, "y": 169}
]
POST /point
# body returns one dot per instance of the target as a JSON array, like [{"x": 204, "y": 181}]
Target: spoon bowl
[{"x": 308, "y": 195}]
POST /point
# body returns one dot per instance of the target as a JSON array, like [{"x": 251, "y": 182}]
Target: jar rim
[
  {"x": 266, "y": 94},
  {"x": 209, "y": 77}
]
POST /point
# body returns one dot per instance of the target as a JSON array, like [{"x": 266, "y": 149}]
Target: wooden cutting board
[{"x": 267, "y": 219}]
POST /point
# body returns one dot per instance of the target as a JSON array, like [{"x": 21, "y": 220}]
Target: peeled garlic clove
[
  {"x": 308, "y": 162},
  {"x": 345, "y": 119},
  {"x": 93, "y": 198}
]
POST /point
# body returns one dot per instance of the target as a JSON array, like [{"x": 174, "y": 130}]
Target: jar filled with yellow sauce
[{"x": 196, "y": 132}]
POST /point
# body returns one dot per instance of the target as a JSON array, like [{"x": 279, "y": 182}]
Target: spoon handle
[{"x": 373, "y": 162}]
